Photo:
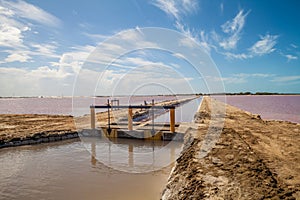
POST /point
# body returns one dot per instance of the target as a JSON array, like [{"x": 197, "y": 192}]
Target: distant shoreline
[{"x": 198, "y": 94}]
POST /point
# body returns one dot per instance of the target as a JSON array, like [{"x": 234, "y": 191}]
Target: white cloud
[
  {"x": 241, "y": 78},
  {"x": 40, "y": 81},
  {"x": 265, "y": 45},
  {"x": 17, "y": 57},
  {"x": 236, "y": 24},
  {"x": 256, "y": 75},
  {"x": 179, "y": 55},
  {"x": 286, "y": 79},
  {"x": 188, "y": 42},
  {"x": 234, "y": 28},
  {"x": 222, "y": 8},
  {"x": 185, "y": 30},
  {"x": 71, "y": 62},
  {"x": 47, "y": 50},
  {"x": 96, "y": 37},
  {"x": 230, "y": 43},
  {"x": 290, "y": 57},
  {"x": 204, "y": 42},
  {"x": 176, "y": 8},
  {"x": 24, "y": 54},
  {"x": 262, "y": 47},
  {"x": 240, "y": 56},
  {"x": 294, "y": 46},
  {"x": 189, "y": 6},
  {"x": 192, "y": 39},
  {"x": 28, "y": 11},
  {"x": 49, "y": 73},
  {"x": 147, "y": 79},
  {"x": 168, "y": 6},
  {"x": 11, "y": 36},
  {"x": 16, "y": 19}
]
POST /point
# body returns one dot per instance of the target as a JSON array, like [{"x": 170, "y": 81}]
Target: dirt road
[{"x": 251, "y": 159}]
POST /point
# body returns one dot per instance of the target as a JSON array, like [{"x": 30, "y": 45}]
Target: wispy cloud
[
  {"x": 16, "y": 56},
  {"x": 72, "y": 61},
  {"x": 286, "y": 79},
  {"x": 28, "y": 11},
  {"x": 168, "y": 6},
  {"x": 97, "y": 37},
  {"x": 240, "y": 56},
  {"x": 46, "y": 50},
  {"x": 265, "y": 45},
  {"x": 222, "y": 8},
  {"x": 226, "y": 42},
  {"x": 233, "y": 28},
  {"x": 26, "y": 53},
  {"x": 242, "y": 77},
  {"x": 294, "y": 46},
  {"x": 17, "y": 18},
  {"x": 290, "y": 57},
  {"x": 201, "y": 38},
  {"x": 176, "y": 8}
]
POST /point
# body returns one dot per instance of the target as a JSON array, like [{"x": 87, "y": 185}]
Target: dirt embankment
[
  {"x": 251, "y": 159},
  {"x": 24, "y": 129}
]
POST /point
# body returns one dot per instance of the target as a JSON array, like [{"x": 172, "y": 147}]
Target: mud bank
[
  {"x": 251, "y": 158},
  {"x": 28, "y": 129}
]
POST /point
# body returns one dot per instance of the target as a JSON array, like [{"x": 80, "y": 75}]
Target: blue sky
[{"x": 255, "y": 45}]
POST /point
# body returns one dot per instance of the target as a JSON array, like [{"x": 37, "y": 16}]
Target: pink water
[
  {"x": 283, "y": 107},
  {"x": 278, "y": 107},
  {"x": 64, "y": 105}
]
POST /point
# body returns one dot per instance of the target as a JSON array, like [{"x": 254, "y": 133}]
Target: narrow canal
[
  {"x": 66, "y": 170},
  {"x": 90, "y": 168},
  {"x": 183, "y": 113}
]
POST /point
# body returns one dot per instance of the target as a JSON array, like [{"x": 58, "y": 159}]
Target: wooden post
[
  {"x": 172, "y": 120},
  {"x": 130, "y": 119},
  {"x": 93, "y": 123}
]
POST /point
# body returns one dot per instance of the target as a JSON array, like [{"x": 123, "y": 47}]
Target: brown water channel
[{"x": 75, "y": 170}]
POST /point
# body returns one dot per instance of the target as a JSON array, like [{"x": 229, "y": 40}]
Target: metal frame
[{"x": 130, "y": 107}]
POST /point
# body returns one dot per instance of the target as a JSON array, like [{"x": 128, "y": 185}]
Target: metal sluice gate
[{"x": 170, "y": 134}]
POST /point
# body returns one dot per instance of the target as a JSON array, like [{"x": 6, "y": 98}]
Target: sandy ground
[
  {"x": 13, "y": 127},
  {"x": 251, "y": 159}
]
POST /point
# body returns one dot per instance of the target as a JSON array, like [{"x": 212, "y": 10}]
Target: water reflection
[
  {"x": 135, "y": 156},
  {"x": 65, "y": 170},
  {"x": 183, "y": 113}
]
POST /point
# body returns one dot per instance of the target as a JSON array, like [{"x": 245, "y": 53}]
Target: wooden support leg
[
  {"x": 93, "y": 123},
  {"x": 130, "y": 119},
  {"x": 172, "y": 120}
]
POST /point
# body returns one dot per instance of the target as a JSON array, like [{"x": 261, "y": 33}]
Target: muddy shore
[{"x": 251, "y": 158}]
